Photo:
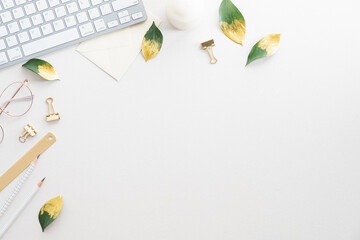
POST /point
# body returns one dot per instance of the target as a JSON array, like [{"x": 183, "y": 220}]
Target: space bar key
[{"x": 51, "y": 41}]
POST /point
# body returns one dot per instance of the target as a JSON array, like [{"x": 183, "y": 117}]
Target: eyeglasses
[{"x": 15, "y": 101}]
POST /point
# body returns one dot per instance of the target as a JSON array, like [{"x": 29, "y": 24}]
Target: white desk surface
[{"x": 181, "y": 149}]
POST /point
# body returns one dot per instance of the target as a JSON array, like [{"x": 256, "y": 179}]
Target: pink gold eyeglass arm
[{"x": 2, "y": 109}]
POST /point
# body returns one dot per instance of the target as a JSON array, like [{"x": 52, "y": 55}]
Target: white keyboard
[{"x": 30, "y": 28}]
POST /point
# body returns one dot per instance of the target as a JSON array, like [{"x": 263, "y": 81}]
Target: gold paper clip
[
  {"x": 52, "y": 116},
  {"x": 29, "y": 131},
  {"x": 208, "y": 45}
]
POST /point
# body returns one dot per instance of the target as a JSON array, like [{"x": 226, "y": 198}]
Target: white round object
[{"x": 184, "y": 14}]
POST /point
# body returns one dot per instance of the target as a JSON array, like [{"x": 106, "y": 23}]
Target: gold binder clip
[
  {"x": 29, "y": 131},
  {"x": 208, "y": 45},
  {"x": 52, "y": 116}
]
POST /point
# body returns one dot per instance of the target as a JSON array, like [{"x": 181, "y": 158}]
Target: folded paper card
[{"x": 114, "y": 52}]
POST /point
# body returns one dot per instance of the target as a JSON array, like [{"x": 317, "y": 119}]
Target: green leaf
[
  {"x": 50, "y": 211},
  {"x": 42, "y": 68},
  {"x": 232, "y": 22},
  {"x": 152, "y": 42},
  {"x": 266, "y": 47}
]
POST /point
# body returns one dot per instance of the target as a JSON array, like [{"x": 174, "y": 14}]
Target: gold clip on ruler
[{"x": 26, "y": 160}]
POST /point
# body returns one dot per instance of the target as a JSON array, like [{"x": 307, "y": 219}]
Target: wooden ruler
[{"x": 26, "y": 160}]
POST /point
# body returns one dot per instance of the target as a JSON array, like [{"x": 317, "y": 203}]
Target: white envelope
[{"x": 114, "y": 52}]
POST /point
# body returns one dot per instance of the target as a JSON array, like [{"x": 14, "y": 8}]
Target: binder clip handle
[
  {"x": 213, "y": 59},
  {"x": 50, "y": 101},
  {"x": 23, "y": 137}
]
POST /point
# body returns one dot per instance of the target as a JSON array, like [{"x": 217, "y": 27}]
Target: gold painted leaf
[
  {"x": 152, "y": 42},
  {"x": 42, "y": 68},
  {"x": 266, "y": 47},
  {"x": 50, "y": 211},
  {"x": 232, "y": 22}
]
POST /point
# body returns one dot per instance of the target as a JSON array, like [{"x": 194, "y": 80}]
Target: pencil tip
[
  {"x": 36, "y": 159},
  {"x": 41, "y": 182}
]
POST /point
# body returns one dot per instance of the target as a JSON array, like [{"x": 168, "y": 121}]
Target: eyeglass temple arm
[
  {"x": 12, "y": 98},
  {"x": 2, "y": 108}
]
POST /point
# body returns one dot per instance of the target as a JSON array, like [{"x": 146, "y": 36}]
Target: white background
[{"x": 181, "y": 149}]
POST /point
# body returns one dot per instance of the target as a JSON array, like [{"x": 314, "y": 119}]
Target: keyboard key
[
  {"x": 19, "y": 2},
  {"x": 35, "y": 33},
  {"x": 6, "y": 17},
  {"x": 58, "y": 25},
  {"x": 2, "y": 44},
  {"x": 46, "y": 29},
  {"x": 50, "y": 41},
  {"x": 30, "y": 9},
  {"x": 94, "y": 13},
  {"x": 23, "y": 37},
  {"x": 125, "y": 19},
  {"x": 70, "y": 21},
  {"x": 3, "y": 58},
  {"x": 13, "y": 27},
  {"x": 18, "y": 13},
  {"x": 37, "y": 19},
  {"x": 84, "y": 4},
  {"x": 123, "y": 13},
  {"x": 60, "y": 11},
  {"x": 8, "y": 4},
  {"x": 41, "y": 5},
  {"x": 3, "y": 31},
  {"x": 137, "y": 15},
  {"x": 72, "y": 7},
  {"x": 14, "y": 54},
  {"x": 54, "y": 3},
  {"x": 96, "y": 2},
  {"x": 113, "y": 23},
  {"x": 82, "y": 17},
  {"x": 86, "y": 29},
  {"x": 11, "y": 41},
  {"x": 25, "y": 23},
  {"x": 121, "y": 4},
  {"x": 100, "y": 25},
  {"x": 49, "y": 15},
  {"x": 105, "y": 9}
]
